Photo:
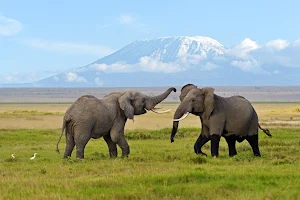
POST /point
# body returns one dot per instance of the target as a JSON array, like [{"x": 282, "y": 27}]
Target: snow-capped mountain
[
  {"x": 165, "y": 49},
  {"x": 180, "y": 60}
]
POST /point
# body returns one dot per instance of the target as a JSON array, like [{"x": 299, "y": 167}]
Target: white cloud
[
  {"x": 243, "y": 49},
  {"x": 8, "y": 79},
  {"x": 69, "y": 48},
  {"x": 33, "y": 76},
  {"x": 248, "y": 65},
  {"x": 146, "y": 64},
  {"x": 101, "y": 67},
  {"x": 17, "y": 77},
  {"x": 9, "y": 26},
  {"x": 278, "y": 53},
  {"x": 189, "y": 59},
  {"x": 15, "y": 73},
  {"x": 153, "y": 65},
  {"x": 73, "y": 77},
  {"x": 115, "y": 67},
  {"x": 296, "y": 43},
  {"x": 98, "y": 81},
  {"x": 277, "y": 45},
  {"x": 276, "y": 72},
  {"x": 126, "y": 19}
]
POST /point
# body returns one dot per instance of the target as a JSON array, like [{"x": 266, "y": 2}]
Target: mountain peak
[
  {"x": 185, "y": 58},
  {"x": 199, "y": 39}
]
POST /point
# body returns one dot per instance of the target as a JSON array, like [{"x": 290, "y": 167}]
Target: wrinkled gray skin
[
  {"x": 89, "y": 117},
  {"x": 234, "y": 118}
]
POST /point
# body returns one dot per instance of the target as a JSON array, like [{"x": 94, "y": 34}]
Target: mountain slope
[{"x": 176, "y": 61}]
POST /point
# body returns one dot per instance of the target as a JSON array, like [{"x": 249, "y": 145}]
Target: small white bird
[
  {"x": 33, "y": 157},
  {"x": 13, "y": 156}
]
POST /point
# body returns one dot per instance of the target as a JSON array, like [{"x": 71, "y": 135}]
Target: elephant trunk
[
  {"x": 178, "y": 114},
  {"x": 153, "y": 101}
]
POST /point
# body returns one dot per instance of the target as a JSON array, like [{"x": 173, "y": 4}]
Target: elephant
[
  {"x": 89, "y": 117},
  {"x": 233, "y": 117},
  {"x": 203, "y": 140}
]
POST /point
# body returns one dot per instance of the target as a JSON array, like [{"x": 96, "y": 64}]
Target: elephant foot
[
  {"x": 257, "y": 154},
  {"x": 201, "y": 153},
  {"x": 113, "y": 154},
  {"x": 66, "y": 157},
  {"x": 232, "y": 155}
]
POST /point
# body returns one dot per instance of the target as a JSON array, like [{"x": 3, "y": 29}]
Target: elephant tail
[
  {"x": 266, "y": 131},
  {"x": 62, "y": 132}
]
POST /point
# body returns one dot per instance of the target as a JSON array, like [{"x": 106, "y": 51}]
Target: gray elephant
[
  {"x": 89, "y": 117},
  {"x": 203, "y": 140},
  {"x": 234, "y": 118}
]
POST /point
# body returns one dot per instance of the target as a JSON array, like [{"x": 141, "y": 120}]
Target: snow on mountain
[{"x": 182, "y": 59}]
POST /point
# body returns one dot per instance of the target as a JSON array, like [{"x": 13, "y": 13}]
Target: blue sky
[{"x": 41, "y": 38}]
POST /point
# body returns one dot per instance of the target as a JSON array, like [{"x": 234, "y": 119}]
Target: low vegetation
[
  {"x": 14, "y": 113},
  {"x": 155, "y": 169},
  {"x": 49, "y": 116}
]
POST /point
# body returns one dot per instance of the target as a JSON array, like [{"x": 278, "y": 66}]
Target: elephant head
[
  {"x": 137, "y": 103},
  {"x": 194, "y": 100}
]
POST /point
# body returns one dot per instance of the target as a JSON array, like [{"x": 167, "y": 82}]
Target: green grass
[{"x": 155, "y": 169}]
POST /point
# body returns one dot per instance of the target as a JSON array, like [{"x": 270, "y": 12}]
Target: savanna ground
[{"x": 155, "y": 169}]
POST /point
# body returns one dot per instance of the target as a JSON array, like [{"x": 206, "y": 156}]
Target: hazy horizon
[{"x": 63, "y": 95}]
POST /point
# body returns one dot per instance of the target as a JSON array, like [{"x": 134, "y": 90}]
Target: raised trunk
[
  {"x": 153, "y": 101},
  {"x": 178, "y": 114}
]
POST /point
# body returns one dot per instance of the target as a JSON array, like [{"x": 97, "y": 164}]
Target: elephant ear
[
  {"x": 185, "y": 90},
  {"x": 209, "y": 101},
  {"x": 125, "y": 102}
]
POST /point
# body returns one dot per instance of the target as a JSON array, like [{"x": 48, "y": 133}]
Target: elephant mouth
[{"x": 195, "y": 112}]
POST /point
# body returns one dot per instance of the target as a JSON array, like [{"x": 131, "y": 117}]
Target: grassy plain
[
  {"x": 49, "y": 116},
  {"x": 155, "y": 169}
]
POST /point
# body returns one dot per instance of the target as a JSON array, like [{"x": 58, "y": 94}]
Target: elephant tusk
[
  {"x": 156, "y": 108},
  {"x": 160, "y": 112},
  {"x": 181, "y": 118}
]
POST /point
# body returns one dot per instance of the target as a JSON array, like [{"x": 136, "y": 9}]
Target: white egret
[
  {"x": 13, "y": 156},
  {"x": 33, "y": 157}
]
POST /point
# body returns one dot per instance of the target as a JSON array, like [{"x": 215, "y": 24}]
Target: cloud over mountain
[
  {"x": 183, "y": 59},
  {"x": 9, "y": 26}
]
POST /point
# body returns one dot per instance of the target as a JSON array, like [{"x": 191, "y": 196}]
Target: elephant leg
[
  {"x": 231, "y": 145},
  {"x": 117, "y": 136},
  {"x": 216, "y": 129},
  {"x": 124, "y": 146},
  {"x": 112, "y": 147},
  {"x": 70, "y": 143},
  {"x": 202, "y": 140},
  {"x": 253, "y": 141},
  {"x": 215, "y": 140},
  {"x": 81, "y": 140}
]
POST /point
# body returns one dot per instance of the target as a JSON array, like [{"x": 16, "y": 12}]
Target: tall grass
[{"x": 155, "y": 169}]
